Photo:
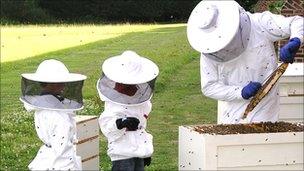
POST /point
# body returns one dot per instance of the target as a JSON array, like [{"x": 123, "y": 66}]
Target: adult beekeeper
[
  {"x": 126, "y": 86},
  {"x": 237, "y": 55},
  {"x": 54, "y": 94}
]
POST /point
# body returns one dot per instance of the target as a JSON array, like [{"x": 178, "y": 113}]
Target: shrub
[
  {"x": 23, "y": 11},
  {"x": 100, "y": 11}
]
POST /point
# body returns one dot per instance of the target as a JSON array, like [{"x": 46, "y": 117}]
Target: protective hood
[
  {"x": 219, "y": 29},
  {"x": 52, "y": 87},
  {"x": 127, "y": 79}
]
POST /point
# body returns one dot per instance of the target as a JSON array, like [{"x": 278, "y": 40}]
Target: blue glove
[
  {"x": 251, "y": 89},
  {"x": 289, "y": 50}
]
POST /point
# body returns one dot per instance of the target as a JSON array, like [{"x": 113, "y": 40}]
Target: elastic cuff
[{"x": 239, "y": 93}]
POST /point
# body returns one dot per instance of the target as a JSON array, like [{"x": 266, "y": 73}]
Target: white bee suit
[
  {"x": 123, "y": 144},
  {"x": 129, "y": 69},
  {"x": 225, "y": 80},
  {"x": 55, "y": 95},
  {"x": 56, "y": 129}
]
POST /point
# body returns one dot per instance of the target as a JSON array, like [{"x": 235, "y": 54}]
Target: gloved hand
[
  {"x": 289, "y": 50},
  {"x": 130, "y": 123},
  {"x": 251, "y": 89},
  {"x": 147, "y": 161}
]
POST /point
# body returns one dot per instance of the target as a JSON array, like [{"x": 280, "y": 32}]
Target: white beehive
[
  {"x": 262, "y": 151},
  {"x": 88, "y": 141},
  {"x": 220, "y": 107},
  {"x": 291, "y": 88}
]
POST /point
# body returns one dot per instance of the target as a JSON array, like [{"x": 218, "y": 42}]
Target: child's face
[
  {"x": 126, "y": 89},
  {"x": 54, "y": 88}
]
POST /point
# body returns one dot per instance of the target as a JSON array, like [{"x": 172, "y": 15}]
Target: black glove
[
  {"x": 147, "y": 161},
  {"x": 130, "y": 123}
]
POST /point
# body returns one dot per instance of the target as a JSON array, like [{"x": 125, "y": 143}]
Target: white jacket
[
  {"x": 124, "y": 144},
  {"x": 225, "y": 81},
  {"x": 56, "y": 129}
]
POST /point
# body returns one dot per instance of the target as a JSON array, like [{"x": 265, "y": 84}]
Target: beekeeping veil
[
  {"x": 127, "y": 79},
  {"x": 52, "y": 87},
  {"x": 219, "y": 29}
]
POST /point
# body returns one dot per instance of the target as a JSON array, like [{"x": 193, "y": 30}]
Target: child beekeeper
[
  {"x": 54, "y": 94},
  {"x": 126, "y": 86}
]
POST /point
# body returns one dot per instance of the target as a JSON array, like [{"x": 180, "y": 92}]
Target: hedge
[{"x": 100, "y": 11}]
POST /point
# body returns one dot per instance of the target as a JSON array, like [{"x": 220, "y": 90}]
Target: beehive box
[
  {"x": 88, "y": 141},
  {"x": 238, "y": 151},
  {"x": 220, "y": 106},
  {"x": 291, "y": 89}
]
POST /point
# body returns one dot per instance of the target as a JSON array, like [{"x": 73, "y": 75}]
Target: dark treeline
[{"x": 99, "y": 11}]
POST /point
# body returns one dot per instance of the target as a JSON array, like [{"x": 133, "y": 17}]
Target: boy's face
[
  {"x": 54, "y": 88},
  {"x": 127, "y": 89}
]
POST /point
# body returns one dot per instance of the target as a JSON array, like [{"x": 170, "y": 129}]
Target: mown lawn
[
  {"x": 19, "y": 42},
  {"x": 177, "y": 100}
]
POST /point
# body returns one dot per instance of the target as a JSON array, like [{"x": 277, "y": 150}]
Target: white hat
[
  {"x": 130, "y": 68},
  {"x": 53, "y": 71},
  {"x": 212, "y": 25}
]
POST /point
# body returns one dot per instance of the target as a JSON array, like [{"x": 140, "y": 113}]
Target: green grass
[
  {"x": 26, "y": 41},
  {"x": 177, "y": 99}
]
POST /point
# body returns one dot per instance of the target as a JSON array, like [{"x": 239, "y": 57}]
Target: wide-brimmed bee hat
[
  {"x": 212, "y": 25},
  {"x": 127, "y": 79},
  {"x": 52, "y": 87}
]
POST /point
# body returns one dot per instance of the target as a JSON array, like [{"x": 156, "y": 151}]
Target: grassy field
[
  {"x": 28, "y": 41},
  {"x": 177, "y": 100}
]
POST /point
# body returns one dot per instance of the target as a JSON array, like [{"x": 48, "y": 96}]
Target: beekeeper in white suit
[
  {"x": 54, "y": 94},
  {"x": 126, "y": 86},
  {"x": 237, "y": 55}
]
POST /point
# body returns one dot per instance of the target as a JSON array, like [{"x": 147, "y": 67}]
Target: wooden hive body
[{"x": 88, "y": 141}]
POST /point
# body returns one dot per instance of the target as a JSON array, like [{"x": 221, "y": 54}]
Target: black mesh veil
[
  {"x": 67, "y": 95},
  {"x": 127, "y": 94},
  {"x": 237, "y": 45}
]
